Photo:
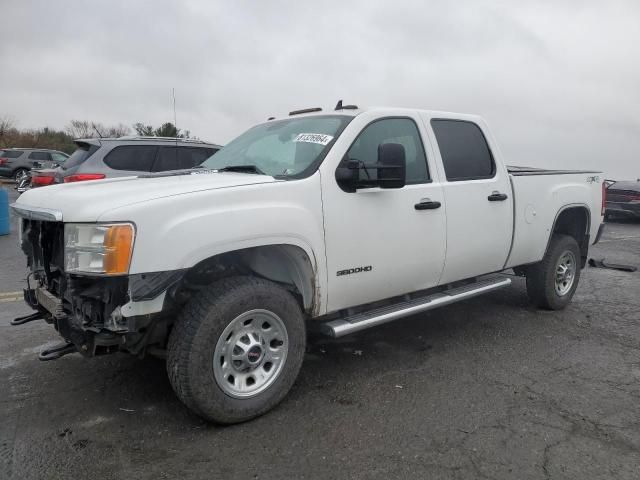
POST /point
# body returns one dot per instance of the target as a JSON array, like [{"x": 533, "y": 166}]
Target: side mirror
[
  {"x": 392, "y": 166},
  {"x": 390, "y": 170},
  {"x": 348, "y": 175}
]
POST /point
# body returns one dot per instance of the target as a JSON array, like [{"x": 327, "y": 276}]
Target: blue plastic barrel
[{"x": 4, "y": 212}]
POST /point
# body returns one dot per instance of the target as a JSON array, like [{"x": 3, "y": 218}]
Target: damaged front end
[{"x": 95, "y": 313}]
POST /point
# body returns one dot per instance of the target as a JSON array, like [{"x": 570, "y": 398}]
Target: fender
[{"x": 559, "y": 212}]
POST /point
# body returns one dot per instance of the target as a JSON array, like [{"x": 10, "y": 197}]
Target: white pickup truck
[{"x": 348, "y": 219}]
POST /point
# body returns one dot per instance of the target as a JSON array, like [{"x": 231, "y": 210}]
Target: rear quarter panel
[{"x": 539, "y": 199}]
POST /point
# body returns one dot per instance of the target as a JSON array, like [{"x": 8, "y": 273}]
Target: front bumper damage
[
  {"x": 93, "y": 314},
  {"x": 96, "y": 316}
]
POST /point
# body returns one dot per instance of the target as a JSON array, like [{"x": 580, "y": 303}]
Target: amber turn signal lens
[{"x": 118, "y": 245}]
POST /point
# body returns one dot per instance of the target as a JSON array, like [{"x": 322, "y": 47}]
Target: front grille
[{"x": 43, "y": 243}]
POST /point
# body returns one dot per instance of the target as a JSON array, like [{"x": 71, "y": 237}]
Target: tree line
[{"x": 62, "y": 140}]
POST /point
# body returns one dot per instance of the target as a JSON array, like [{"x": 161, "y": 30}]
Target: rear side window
[
  {"x": 84, "y": 151},
  {"x": 58, "y": 157},
  {"x": 464, "y": 150},
  {"x": 11, "y": 154},
  {"x": 40, "y": 156},
  {"x": 137, "y": 158},
  {"x": 177, "y": 158}
]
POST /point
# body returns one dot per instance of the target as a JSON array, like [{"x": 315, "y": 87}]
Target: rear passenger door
[{"x": 478, "y": 201}]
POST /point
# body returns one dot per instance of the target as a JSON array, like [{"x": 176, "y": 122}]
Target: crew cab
[{"x": 340, "y": 220}]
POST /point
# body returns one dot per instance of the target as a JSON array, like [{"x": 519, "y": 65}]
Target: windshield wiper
[{"x": 241, "y": 169}]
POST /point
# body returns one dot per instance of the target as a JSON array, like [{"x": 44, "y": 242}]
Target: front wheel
[
  {"x": 236, "y": 349},
  {"x": 552, "y": 282}
]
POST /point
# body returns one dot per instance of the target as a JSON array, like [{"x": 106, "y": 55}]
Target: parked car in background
[
  {"x": 16, "y": 162},
  {"x": 98, "y": 158},
  {"x": 623, "y": 199}
]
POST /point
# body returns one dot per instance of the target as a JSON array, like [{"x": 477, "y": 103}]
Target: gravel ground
[{"x": 490, "y": 388}]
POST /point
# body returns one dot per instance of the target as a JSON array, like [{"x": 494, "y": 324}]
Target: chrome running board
[{"x": 378, "y": 316}]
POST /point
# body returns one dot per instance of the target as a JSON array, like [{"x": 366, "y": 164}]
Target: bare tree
[
  {"x": 79, "y": 129},
  {"x": 87, "y": 129},
  {"x": 119, "y": 130},
  {"x": 7, "y": 131}
]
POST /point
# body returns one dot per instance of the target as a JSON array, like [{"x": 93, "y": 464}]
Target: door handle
[
  {"x": 426, "y": 204},
  {"x": 497, "y": 197}
]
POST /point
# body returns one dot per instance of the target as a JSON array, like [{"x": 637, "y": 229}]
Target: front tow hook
[
  {"x": 27, "y": 318},
  {"x": 56, "y": 352}
]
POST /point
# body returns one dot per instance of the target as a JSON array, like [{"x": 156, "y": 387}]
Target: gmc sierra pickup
[{"x": 344, "y": 219}]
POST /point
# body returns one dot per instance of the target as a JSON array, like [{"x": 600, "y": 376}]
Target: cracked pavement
[{"x": 490, "y": 388}]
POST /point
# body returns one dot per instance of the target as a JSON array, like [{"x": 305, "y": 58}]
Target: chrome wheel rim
[
  {"x": 250, "y": 353},
  {"x": 565, "y": 273},
  {"x": 20, "y": 175}
]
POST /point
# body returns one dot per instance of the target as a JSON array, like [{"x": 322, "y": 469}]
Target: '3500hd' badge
[{"x": 349, "y": 271}]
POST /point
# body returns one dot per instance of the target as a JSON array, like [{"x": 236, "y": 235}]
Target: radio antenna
[
  {"x": 96, "y": 129},
  {"x": 175, "y": 120}
]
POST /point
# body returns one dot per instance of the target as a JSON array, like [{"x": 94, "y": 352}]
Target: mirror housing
[
  {"x": 390, "y": 170},
  {"x": 348, "y": 174},
  {"x": 392, "y": 165}
]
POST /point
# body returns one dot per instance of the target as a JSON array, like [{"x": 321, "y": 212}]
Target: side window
[
  {"x": 167, "y": 160},
  {"x": 12, "y": 153},
  {"x": 40, "y": 156},
  {"x": 464, "y": 150},
  {"x": 137, "y": 158},
  {"x": 392, "y": 130},
  {"x": 177, "y": 158},
  {"x": 192, "y": 157},
  {"x": 58, "y": 157}
]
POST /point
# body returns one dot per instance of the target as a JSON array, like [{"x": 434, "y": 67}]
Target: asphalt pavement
[{"x": 490, "y": 388}]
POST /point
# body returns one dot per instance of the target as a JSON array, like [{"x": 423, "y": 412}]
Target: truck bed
[{"x": 539, "y": 196}]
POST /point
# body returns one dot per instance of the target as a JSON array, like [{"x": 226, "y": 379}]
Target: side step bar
[{"x": 378, "y": 316}]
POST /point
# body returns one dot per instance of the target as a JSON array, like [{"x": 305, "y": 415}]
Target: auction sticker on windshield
[{"x": 318, "y": 138}]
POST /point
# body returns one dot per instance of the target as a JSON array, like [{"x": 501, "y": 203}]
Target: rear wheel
[
  {"x": 552, "y": 282},
  {"x": 20, "y": 174},
  {"x": 236, "y": 349}
]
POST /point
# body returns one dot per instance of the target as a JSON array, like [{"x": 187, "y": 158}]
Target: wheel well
[
  {"x": 574, "y": 221},
  {"x": 287, "y": 265}
]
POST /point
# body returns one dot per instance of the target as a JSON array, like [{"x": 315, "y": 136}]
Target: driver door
[{"x": 380, "y": 242}]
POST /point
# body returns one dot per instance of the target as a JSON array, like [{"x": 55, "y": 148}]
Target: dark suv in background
[
  {"x": 97, "y": 158},
  {"x": 17, "y": 162},
  {"x": 623, "y": 199}
]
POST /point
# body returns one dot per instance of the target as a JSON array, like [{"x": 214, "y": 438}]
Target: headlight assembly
[{"x": 98, "y": 249}]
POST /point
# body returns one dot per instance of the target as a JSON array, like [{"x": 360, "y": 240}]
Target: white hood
[{"x": 86, "y": 201}]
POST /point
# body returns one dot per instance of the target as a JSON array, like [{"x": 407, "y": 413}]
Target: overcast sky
[{"x": 559, "y": 81}]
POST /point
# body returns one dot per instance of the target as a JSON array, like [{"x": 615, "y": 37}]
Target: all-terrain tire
[
  {"x": 197, "y": 331},
  {"x": 541, "y": 277}
]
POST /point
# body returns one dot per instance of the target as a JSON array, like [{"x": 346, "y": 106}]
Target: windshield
[{"x": 284, "y": 148}]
